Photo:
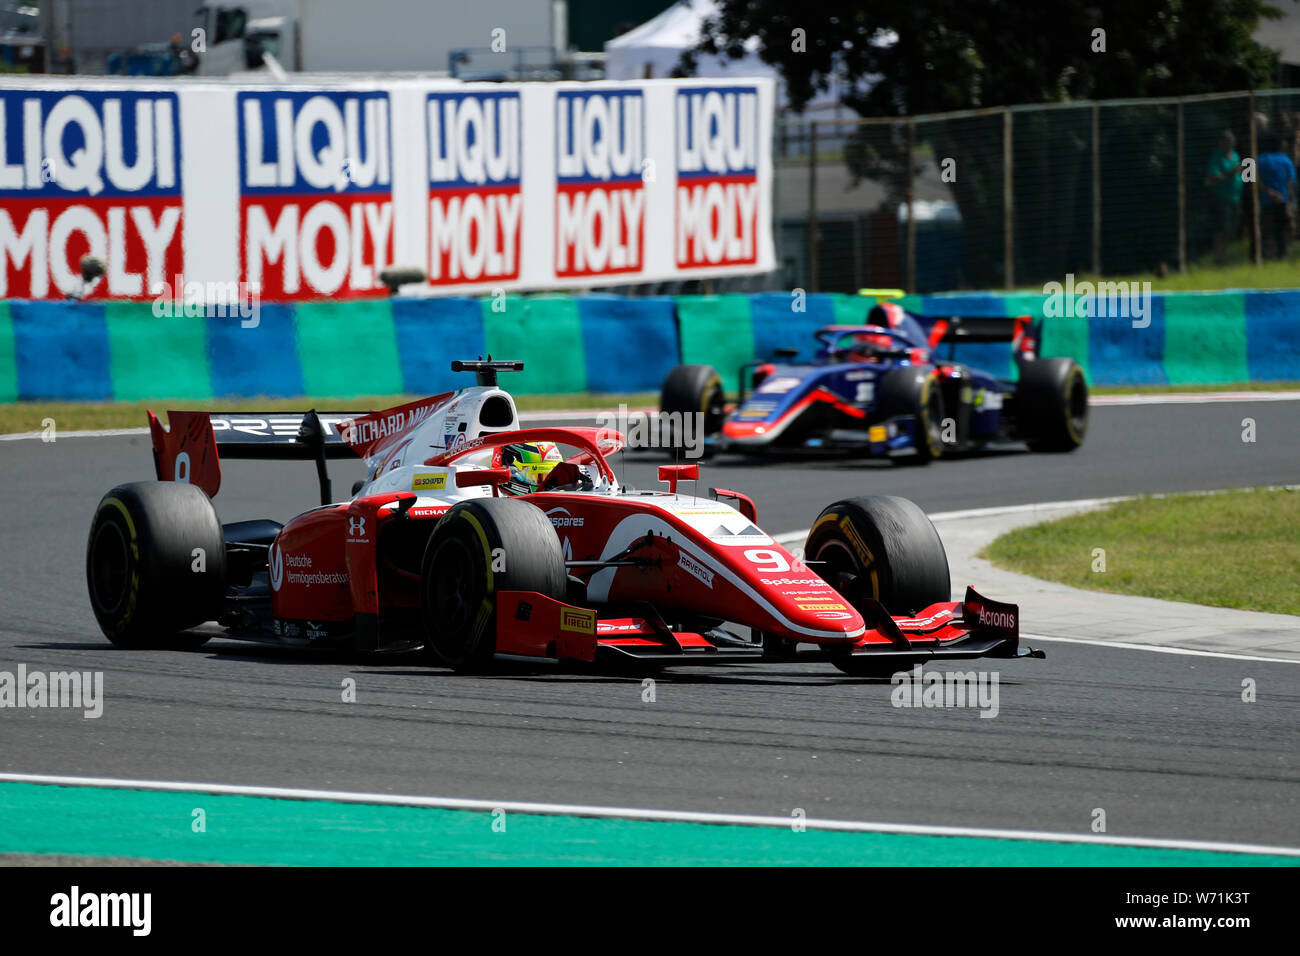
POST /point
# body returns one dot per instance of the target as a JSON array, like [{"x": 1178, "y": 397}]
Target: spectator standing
[
  {"x": 1223, "y": 177},
  {"x": 1277, "y": 184}
]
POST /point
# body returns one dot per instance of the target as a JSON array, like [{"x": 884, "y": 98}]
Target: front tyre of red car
[
  {"x": 155, "y": 564},
  {"x": 477, "y": 549},
  {"x": 882, "y": 548}
]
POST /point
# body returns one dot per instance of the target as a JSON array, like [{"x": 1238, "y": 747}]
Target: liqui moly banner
[
  {"x": 600, "y": 188},
  {"x": 89, "y": 172},
  {"x": 315, "y": 192},
  {"x": 475, "y": 202},
  {"x": 306, "y": 192},
  {"x": 717, "y": 153}
]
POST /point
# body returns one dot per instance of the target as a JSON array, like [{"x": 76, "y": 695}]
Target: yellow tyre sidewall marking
[
  {"x": 133, "y": 591},
  {"x": 924, "y": 418},
  {"x": 487, "y": 607},
  {"x": 855, "y": 540},
  {"x": 1070, "y": 386},
  {"x": 708, "y": 390}
]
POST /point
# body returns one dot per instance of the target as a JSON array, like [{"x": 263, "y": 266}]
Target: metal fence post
[
  {"x": 911, "y": 205},
  {"x": 1096, "y": 187},
  {"x": 1008, "y": 206},
  {"x": 1254, "y": 187},
  {"x": 812, "y": 206},
  {"x": 1182, "y": 193}
]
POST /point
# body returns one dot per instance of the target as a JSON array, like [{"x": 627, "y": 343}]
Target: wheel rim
[
  {"x": 109, "y": 561},
  {"x": 934, "y": 424},
  {"x": 452, "y": 572},
  {"x": 839, "y": 560},
  {"x": 932, "y": 420},
  {"x": 714, "y": 410}
]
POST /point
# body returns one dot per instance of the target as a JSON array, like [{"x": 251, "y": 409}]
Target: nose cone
[
  {"x": 822, "y": 617},
  {"x": 744, "y": 431}
]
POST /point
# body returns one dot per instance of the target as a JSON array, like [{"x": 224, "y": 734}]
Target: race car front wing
[{"x": 534, "y": 626}]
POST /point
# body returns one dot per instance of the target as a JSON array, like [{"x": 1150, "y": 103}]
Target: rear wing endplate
[{"x": 192, "y": 447}]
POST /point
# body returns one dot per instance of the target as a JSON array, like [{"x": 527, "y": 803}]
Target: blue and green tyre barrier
[{"x": 120, "y": 351}]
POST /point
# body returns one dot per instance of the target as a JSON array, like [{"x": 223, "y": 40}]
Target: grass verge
[
  {"x": 78, "y": 416},
  {"x": 1238, "y": 549},
  {"x": 1237, "y": 272}
]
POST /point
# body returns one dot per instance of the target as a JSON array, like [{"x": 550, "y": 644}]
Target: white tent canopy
[{"x": 652, "y": 50}]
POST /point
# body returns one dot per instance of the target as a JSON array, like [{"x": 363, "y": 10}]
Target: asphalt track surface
[{"x": 1162, "y": 743}]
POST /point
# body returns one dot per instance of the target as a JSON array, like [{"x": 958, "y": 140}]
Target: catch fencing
[{"x": 1014, "y": 197}]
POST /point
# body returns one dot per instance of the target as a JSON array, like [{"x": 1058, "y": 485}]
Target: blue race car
[{"x": 882, "y": 389}]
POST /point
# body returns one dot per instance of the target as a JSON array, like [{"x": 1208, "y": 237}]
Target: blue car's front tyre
[
  {"x": 914, "y": 392},
  {"x": 695, "y": 390},
  {"x": 1052, "y": 398}
]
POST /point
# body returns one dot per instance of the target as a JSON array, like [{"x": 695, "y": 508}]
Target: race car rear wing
[
  {"x": 968, "y": 329},
  {"x": 192, "y": 448}
]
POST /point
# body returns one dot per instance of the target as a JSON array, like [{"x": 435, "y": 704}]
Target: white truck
[{"x": 318, "y": 36}]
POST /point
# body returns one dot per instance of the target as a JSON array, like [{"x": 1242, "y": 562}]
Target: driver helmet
[
  {"x": 529, "y": 463},
  {"x": 865, "y": 346}
]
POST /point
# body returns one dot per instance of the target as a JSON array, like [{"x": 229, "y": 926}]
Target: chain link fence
[{"x": 1018, "y": 196}]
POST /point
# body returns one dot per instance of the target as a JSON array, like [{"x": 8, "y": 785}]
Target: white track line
[
  {"x": 996, "y": 511},
  {"x": 91, "y": 433},
  {"x": 1193, "y": 398},
  {"x": 1161, "y": 649},
  {"x": 634, "y": 813},
  {"x": 589, "y": 414}
]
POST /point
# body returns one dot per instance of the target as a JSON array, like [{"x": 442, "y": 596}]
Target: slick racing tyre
[
  {"x": 881, "y": 548},
  {"x": 155, "y": 564},
  {"x": 478, "y": 548},
  {"x": 1052, "y": 398},
  {"x": 913, "y": 391},
  {"x": 695, "y": 389}
]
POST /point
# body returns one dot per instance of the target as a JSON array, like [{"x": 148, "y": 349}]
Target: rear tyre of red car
[
  {"x": 883, "y": 548},
  {"x": 913, "y": 391},
  {"x": 1052, "y": 399},
  {"x": 695, "y": 389},
  {"x": 155, "y": 564},
  {"x": 477, "y": 549}
]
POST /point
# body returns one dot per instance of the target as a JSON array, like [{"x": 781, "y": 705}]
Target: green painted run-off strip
[{"x": 159, "y": 825}]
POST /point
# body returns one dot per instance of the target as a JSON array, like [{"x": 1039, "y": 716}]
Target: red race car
[{"x": 473, "y": 538}]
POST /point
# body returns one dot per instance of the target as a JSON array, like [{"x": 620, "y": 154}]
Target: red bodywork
[{"x": 332, "y": 569}]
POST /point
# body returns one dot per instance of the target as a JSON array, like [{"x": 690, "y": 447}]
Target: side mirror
[
  {"x": 482, "y": 476},
  {"x": 675, "y": 473}
]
